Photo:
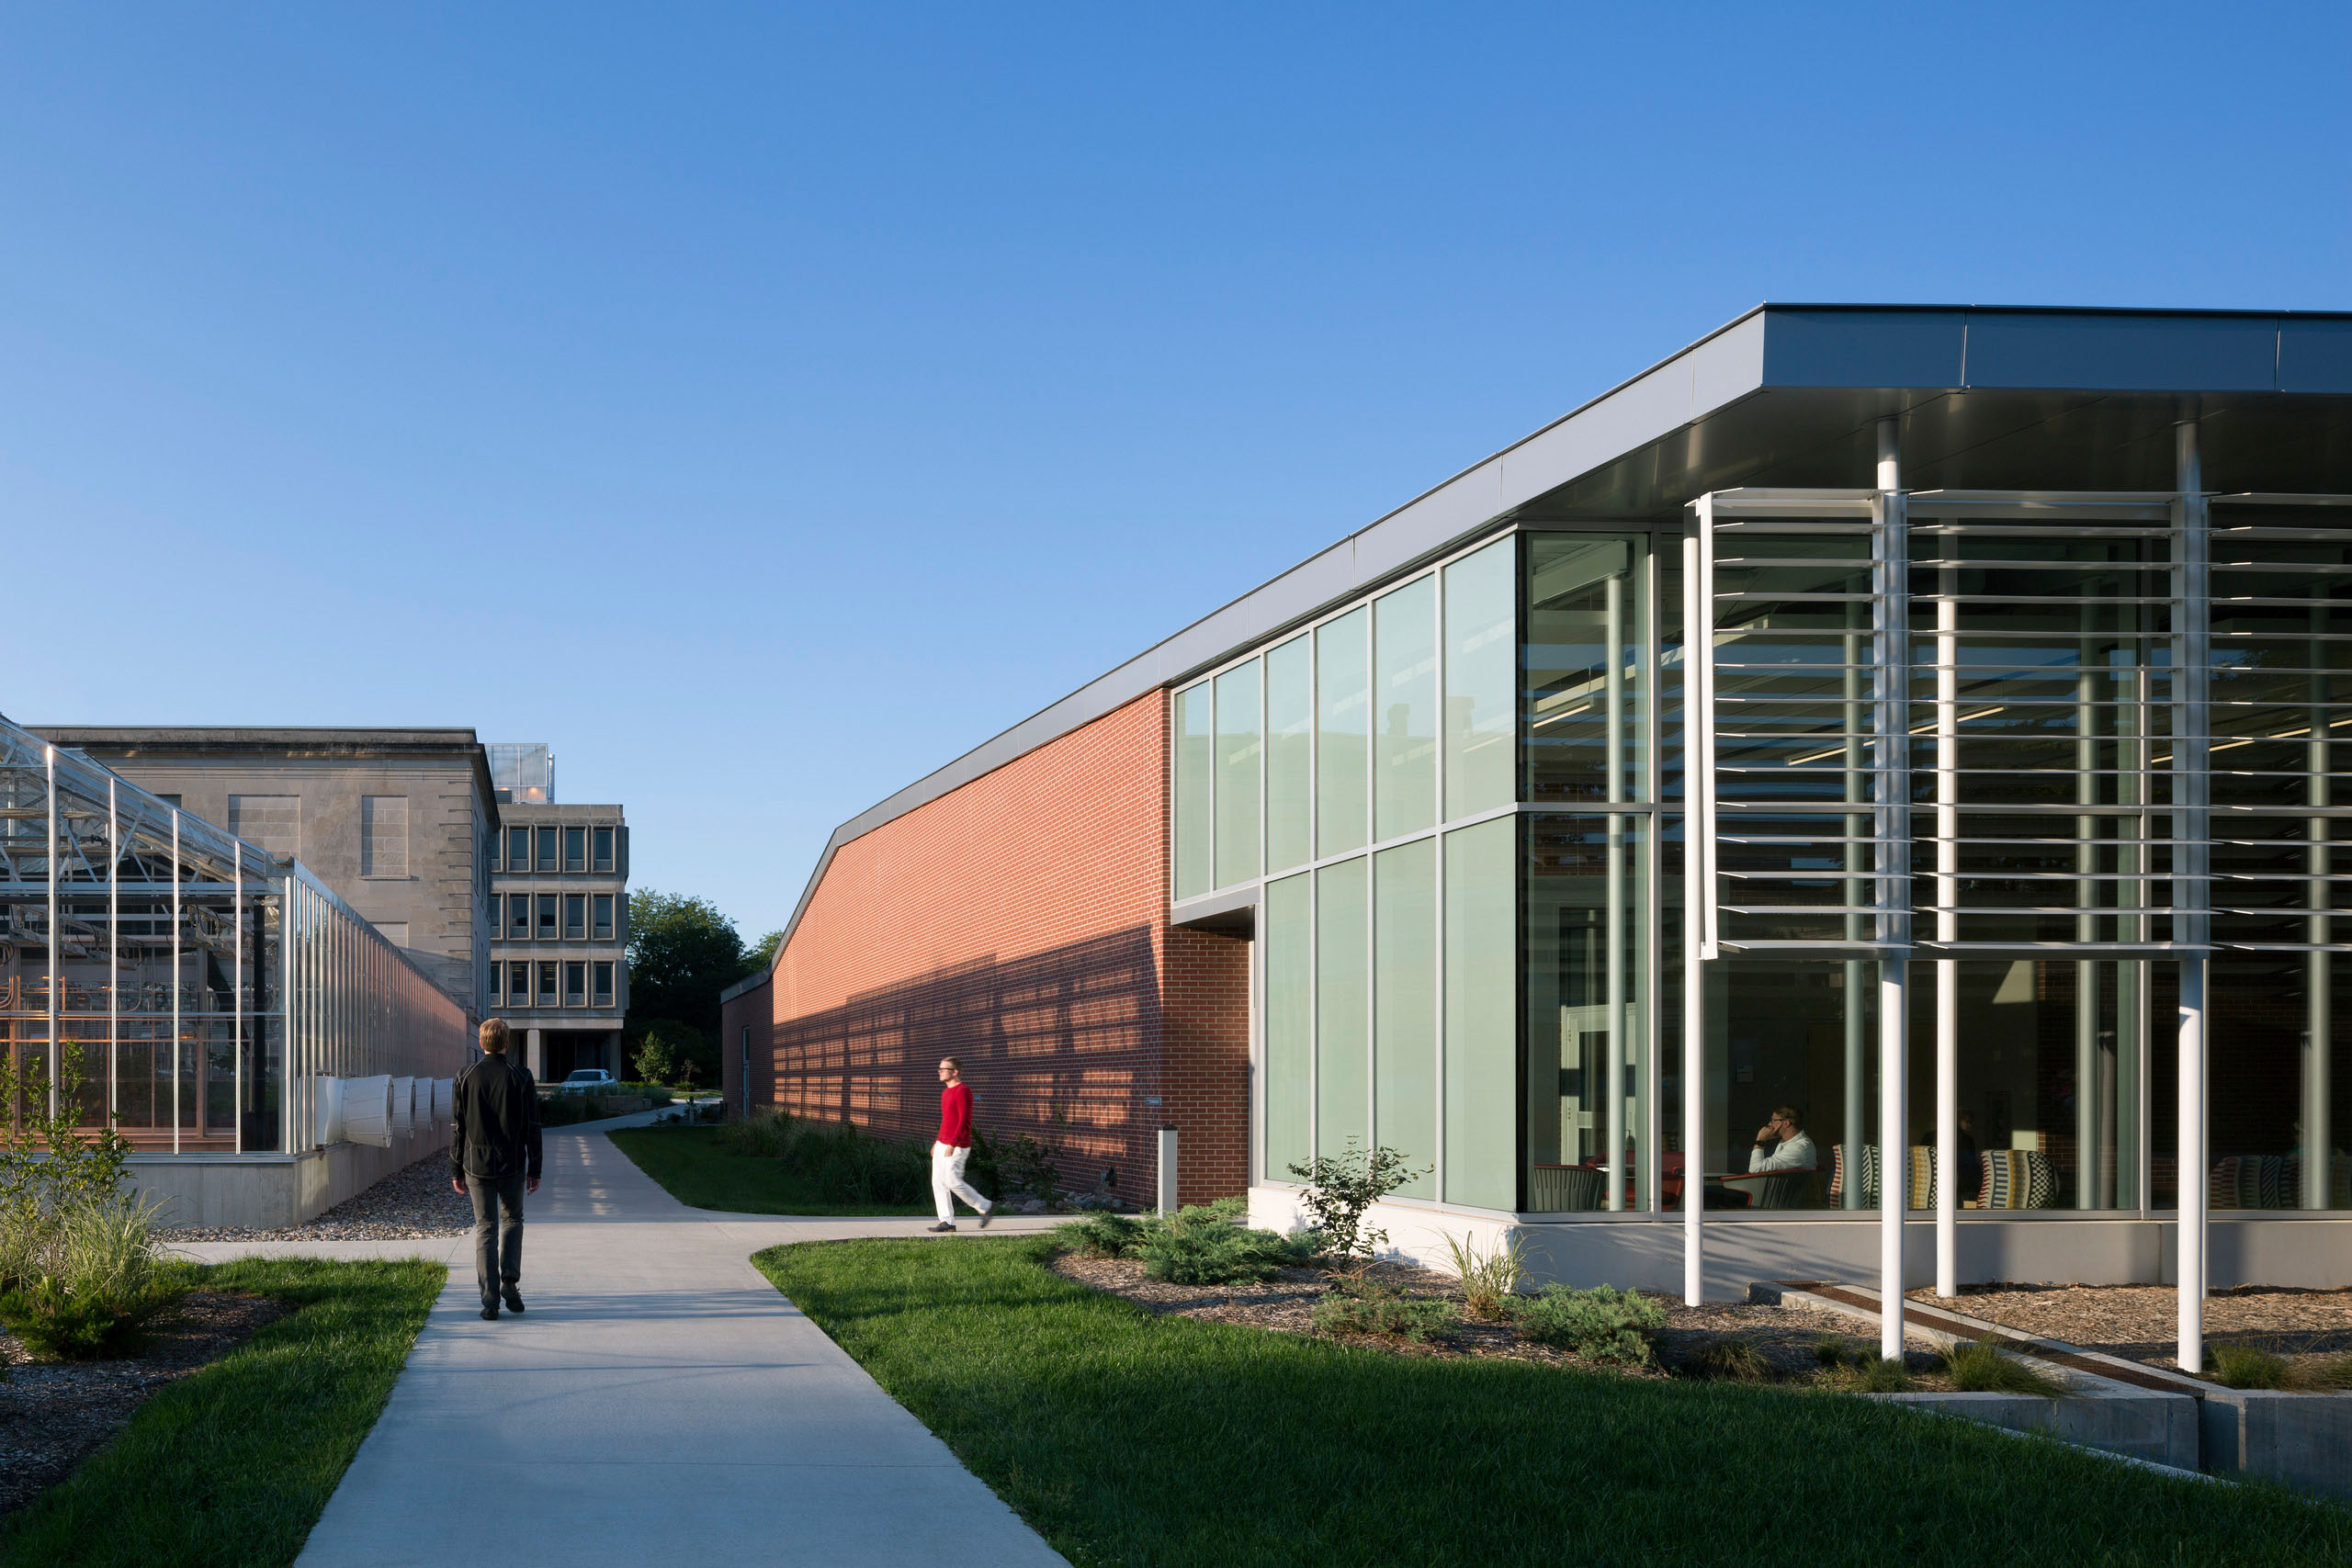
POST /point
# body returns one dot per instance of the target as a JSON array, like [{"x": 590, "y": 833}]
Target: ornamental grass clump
[
  {"x": 1977, "y": 1367},
  {"x": 1736, "y": 1361},
  {"x": 1602, "y": 1324},
  {"x": 1865, "y": 1372},
  {"x": 99, "y": 1280},
  {"x": 1489, "y": 1276},
  {"x": 2246, "y": 1366}
]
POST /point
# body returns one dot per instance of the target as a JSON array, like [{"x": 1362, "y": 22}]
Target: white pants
[{"x": 947, "y": 1177}]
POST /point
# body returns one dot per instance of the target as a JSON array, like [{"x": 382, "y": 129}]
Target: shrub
[
  {"x": 1382, "y": 1312},
  {"x": 2246, "y": 1366},
  {"x": 1102, "y": 1235},
  {"x": 1978, "y": 1367},
  {"x": 1026, "y": 1164},
  {"x": 1341, "y": 1187},
  {"x": 1604, "y": 1323},
  {"x": 1489, "y": 1278},
  {"x": 1204, "y": 1245},
  {"x": 1737, "y": 1360},
  {"x": 1830, "y": 1350},
  {"x": 100, "y": 1281}
]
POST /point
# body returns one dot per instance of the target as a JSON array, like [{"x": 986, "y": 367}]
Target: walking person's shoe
[
  {"x": 489, "y": 1312},
  {"x": 514, "y": 1299},
  {"x": 942, "y": 1225},
  {"x": 987, "y": 1214}
]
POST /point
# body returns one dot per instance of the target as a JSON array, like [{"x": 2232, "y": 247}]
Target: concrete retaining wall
[
  {"x": 269, "y": 1191},
  {"x": 2159, "y": 1427},
  {"x": 2301, "y": 1440}
]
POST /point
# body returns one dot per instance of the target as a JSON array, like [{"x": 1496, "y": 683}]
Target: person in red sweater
[{"x": 954, "y": 1147}]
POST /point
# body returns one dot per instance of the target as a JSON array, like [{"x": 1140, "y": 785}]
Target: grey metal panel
[
  {"x": 2122, "y": 353},
  {"x": 1730, "y": 365},
  {"x": 2315, "y": 356},
  {"x": 1865, "y": 348},
  {"x": 1638, "y": 412},
  {"x": 1463, "y": 504}
]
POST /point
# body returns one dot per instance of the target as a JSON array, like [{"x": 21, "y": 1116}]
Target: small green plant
[
  {"x": 2246, "y": 1366},
  {"x": 1604, "y": 1323},
  {"x": 1735, "y": 1359},
  {"x": 1342, "y": 1187},
  {"x": 1830, "y": 1350},
  {"x": 1102, "y": 1235},
  {"x": 1866, "y": 1373},
  {"x": 1978, "y": 1367},
  {"x": 1381, "y": 1312},
  {"x": 1489, "y": 1276},
  {"x": 1204, "y": 1245}
]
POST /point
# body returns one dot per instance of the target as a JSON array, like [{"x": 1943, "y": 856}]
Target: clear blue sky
[{"x": 764, "y": 406}]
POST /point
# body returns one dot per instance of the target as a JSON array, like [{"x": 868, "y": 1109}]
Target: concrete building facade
[
  {"x": 399, "y": 823},
  {"x": 559, "y": 970}
]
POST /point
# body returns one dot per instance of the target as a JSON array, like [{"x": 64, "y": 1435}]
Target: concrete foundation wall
[
  {"x": 2301, "y": 1440},
  {"x": 268, "y": 1191},
  {"x": 1647, "y": 1252}
]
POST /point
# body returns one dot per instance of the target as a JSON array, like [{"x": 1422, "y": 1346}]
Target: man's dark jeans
[{"x": 498, "y": 1231}]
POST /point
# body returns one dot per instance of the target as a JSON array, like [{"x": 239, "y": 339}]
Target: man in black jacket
[{"x": 494, "y": 1158}]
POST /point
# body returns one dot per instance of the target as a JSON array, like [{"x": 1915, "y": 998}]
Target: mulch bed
[
  {"x": 2139, "y": 1322},
  {"x": 54, "y": 1412},
  {"x": 412, "y": 1204},
  {"x": 1784, "y": 1337}
]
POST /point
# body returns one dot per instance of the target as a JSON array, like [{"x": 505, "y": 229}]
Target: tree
[
  {"x": 682, "y": 954},
  {"x": 761, "y": 954}
]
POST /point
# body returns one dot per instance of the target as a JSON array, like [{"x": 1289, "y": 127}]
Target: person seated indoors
[{"x": 1782, "y": 1143}]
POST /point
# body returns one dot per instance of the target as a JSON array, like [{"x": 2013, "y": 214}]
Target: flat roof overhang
[{"x": 2004, "y": 397}]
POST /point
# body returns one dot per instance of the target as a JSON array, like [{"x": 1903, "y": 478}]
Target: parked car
[{"x": 585, "y": 1081}]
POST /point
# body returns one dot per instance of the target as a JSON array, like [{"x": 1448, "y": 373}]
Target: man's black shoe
[
  {"x": 514, "y": 1299},
  {"x": 490, "y": 1314},
  {"x": 987, "y": 1214},
  {"x": 942, "y": 1226}
]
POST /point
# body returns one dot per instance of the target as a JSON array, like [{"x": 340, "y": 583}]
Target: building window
[
  {"x": 272, "y": 821},
  {"x": 497, "y": 973},
  {"x": 603, "y": 861},
  {"x": 575, "y": 984},
  {"x": 547, "y": 984},
  {"x": 604, "y": 985},
  {"x": 395, "y": 931},
  {"x": 490, "y": 853},
  {"x": 547, "y": 917},
  {"x": 575, "y": 848},
  {"x": 383, "y": 835},
  {"x": 547, "y": 848},
  {"x": 518, "y": 915},
  {"x": 575, "y": 915},
  {"x": 171, "y": 800},
  {"x": 518, "y": 848},
  {"x": 518, "y": 985},
  {"x": 604, "y": 927}
]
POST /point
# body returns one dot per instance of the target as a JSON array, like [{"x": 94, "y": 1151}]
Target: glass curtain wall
[{"x": 1365, "y": 768}]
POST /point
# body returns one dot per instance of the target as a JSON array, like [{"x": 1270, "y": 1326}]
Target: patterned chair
[
  {"x": 1565, "y": 1188},
  {"x": 2273, "y": 1181},
  {"x": 2017, "y": 1178},
  {"x": 1776, "y": 1189}
]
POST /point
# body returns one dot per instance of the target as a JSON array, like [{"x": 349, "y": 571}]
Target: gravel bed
[
  {"x": 54, "y": 1412},
  {"x": 412, "y": 1204},
  {"x": 2140, "y": 1323},
  {"x": 1784, "y": 1337}
]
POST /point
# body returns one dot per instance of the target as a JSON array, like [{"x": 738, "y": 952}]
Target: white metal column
[
  {"x": 1947, "y": 923},
  {"x": 1613, "y": 927},
  {"x": 1892, "y": 828},
  {"x": 2191, "y": 893},
  {"x": 1698, "y": 833}
]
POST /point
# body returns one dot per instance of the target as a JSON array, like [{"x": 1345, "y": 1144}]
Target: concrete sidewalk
[{"x": 660, "y": 1402}]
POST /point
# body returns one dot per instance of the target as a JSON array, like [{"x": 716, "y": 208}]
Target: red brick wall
[{"x": 1018, "y": 923}]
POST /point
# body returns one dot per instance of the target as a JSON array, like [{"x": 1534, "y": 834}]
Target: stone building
[{"x": 559, "y": 970}]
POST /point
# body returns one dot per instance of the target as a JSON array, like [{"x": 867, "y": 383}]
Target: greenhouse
[{"x": 230, "y": 1016}]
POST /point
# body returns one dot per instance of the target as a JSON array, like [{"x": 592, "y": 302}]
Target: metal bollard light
[{"x": 1167, "y": 1170}]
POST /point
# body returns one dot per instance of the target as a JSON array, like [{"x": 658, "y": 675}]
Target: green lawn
[
  {"x": 688, "y": 1163},
  {"x": 232, "y": 1465},
  {"x": 1131, "y": 1439}
]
